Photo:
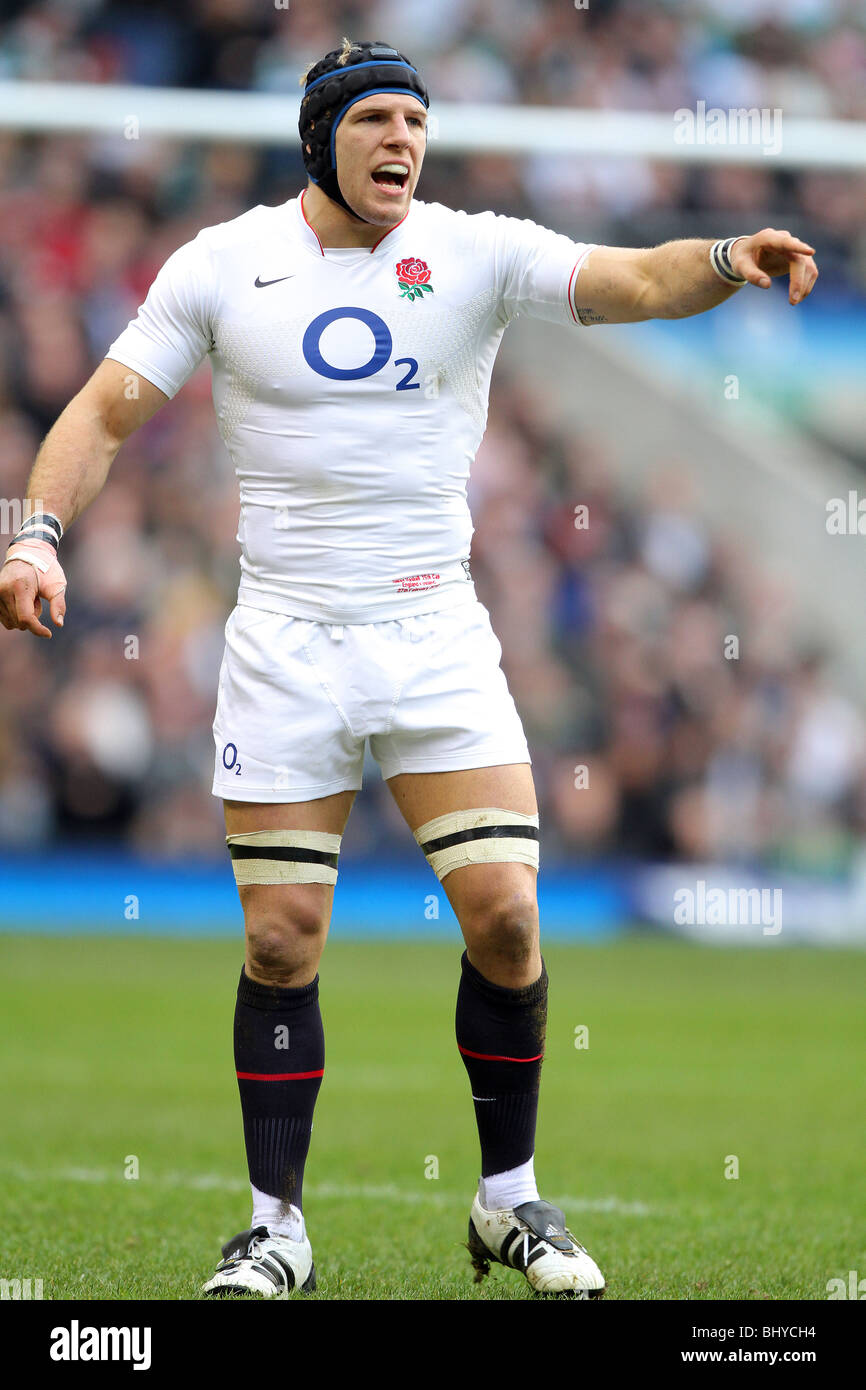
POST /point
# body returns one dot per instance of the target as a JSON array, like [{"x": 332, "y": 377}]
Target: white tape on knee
[
  {"x": 487, "y": 835},
  {"x": 284, "y": 856}
]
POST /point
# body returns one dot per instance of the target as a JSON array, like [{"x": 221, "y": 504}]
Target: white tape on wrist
[
  {"x": 43, "y": 558},
  {"x": 42, "y": 526}
]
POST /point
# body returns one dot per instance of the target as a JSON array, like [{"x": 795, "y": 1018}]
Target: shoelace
[{"x": 253, "y": 1252}]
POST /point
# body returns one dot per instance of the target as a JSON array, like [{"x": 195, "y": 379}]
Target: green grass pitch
[{"x": 116, "y": 1050}]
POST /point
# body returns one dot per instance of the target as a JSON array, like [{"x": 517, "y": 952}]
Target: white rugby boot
[
  {"x": 257, "y": 1264},
  {"x": 533, "y": 1238}
]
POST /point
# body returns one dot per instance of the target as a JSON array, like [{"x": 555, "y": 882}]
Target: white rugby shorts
[{"x": 297, "y": 700}]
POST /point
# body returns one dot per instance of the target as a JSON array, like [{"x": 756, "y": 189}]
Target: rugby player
[{"x": 352, "y": 333}]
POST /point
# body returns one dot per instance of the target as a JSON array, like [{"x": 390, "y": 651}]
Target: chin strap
[{"x": 331, "y": 187}]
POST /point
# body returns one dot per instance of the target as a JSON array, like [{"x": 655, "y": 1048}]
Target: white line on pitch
[{"x": 210, "y": 1182}]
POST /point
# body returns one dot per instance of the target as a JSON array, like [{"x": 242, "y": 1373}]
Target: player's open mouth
[{"x": 391, "y": 178}]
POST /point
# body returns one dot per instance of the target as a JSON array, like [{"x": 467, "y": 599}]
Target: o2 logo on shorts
[
  {"x": 383, "y": 344},
  {"x": 230, "y": 759}
]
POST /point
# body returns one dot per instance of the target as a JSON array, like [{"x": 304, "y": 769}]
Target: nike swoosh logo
[{"x": 262, "y": 284}]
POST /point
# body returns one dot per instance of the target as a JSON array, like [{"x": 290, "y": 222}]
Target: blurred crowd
[
  {"x": 806, "y": 58},
  {"x": 646, "y": 740}
]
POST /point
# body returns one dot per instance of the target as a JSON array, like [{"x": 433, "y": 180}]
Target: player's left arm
[{"x": 618, "y": 284}]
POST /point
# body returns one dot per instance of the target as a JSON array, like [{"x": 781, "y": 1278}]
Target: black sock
[
  {"x": 500, "y": 1033},
  {"x": 280, "y": 1057}
]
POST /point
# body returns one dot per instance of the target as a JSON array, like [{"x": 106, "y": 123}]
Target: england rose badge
[{"x": 413, "y": 277}]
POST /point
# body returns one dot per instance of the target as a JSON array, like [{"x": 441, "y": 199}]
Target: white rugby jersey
[{"x": 351, "y": 390}]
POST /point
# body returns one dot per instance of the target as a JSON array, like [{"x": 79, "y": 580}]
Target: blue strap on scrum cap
[{"x": 332, "y": 87}]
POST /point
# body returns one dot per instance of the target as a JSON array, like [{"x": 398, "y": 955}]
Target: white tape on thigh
[
  {"x": 284, "y": 856},
  {"x": 487, "y": 835}
]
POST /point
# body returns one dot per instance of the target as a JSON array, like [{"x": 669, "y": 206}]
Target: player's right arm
[{"x": 70, "y": 471}]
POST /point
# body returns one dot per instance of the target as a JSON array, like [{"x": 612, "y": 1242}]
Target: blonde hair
[{"x": 345, "y": 53}]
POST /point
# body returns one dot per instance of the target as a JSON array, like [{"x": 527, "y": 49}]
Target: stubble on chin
[{"x": 384, "y": 217}]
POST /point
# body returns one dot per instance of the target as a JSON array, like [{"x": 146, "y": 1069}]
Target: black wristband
[
  {"x": 41, "y": 526},
  {"x": 720, "y": 260}
]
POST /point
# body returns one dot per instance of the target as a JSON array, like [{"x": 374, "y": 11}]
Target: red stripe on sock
[
  {"x": 278, "y": 1075},
  {"x": 491, "y": 1057}
]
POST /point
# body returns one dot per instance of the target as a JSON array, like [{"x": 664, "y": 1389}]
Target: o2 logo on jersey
[
  {"x": 383, "y": 344},
  {"x": 230, "y": 759}
]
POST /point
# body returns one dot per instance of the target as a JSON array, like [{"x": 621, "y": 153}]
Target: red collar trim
[
  {"x": 309, "y": 224},
  {"x": 391, "y": 229},
  {"x": 360, "y": 248}
]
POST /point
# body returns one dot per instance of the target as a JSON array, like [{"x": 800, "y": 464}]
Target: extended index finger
[
  {"x": 803, "y": 274},
  {"x": 783, "y": 241},
  {"x": 32, "y": 624}
]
